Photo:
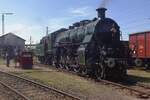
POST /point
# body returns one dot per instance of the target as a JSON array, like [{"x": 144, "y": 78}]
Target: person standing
[
  {"x": 7, "y": 59},
  {"x": 16, "y": 58}
]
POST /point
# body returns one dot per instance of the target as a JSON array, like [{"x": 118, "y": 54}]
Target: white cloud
[
  {"x": 57, "y": 23},
  {"x": 25, "y": 31},
  {"x": 64, "y": 22},
  {"x": 82, "y": 11}
]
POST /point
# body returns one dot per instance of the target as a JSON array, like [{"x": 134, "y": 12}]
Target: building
[{"x": 11, "y": 43}]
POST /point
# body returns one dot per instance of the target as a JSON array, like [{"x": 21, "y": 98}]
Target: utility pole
[
  {"x": 47, "y": 31},
  {"x": 3, "y": 21},
  {"x": 30, "y": 41},
  {"x": 3, "y": 30}
]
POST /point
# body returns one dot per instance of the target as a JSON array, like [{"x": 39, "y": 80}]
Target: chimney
[{"x": 101, "y": 13}]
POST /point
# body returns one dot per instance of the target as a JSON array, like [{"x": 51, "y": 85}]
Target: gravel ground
[
  {"x": 6, "y": 94},
  {"x": 73, "y": 84},
  {"x": 79, "y": 86},
  {"x": 34, "y": 92}
]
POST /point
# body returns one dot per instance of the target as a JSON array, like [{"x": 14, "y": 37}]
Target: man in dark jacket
[{"x": 7, "y": 59}]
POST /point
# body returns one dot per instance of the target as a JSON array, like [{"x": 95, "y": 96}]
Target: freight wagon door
[
  {"x": 133, "y": 44},
  {"x": 141, "y": 45},
  {"x": 148, "y": 45}
]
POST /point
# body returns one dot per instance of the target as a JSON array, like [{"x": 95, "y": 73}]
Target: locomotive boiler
[{"x": 90, "y": 47}]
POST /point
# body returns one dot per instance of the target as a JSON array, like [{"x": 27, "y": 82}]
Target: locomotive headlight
[{"x": 111, "y": 62}]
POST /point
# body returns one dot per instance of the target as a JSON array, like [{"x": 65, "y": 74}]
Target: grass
[
  {"x": 78, "y": 85},
  {"x": 2, "y": 61},
  {"x": 67, "y": 82},
  {"x": 60, "y": 80},
  {"x": 139, "y": 75}
]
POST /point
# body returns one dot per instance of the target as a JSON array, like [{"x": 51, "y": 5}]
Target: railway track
[
  {"x": 30, "y": 90},
  {"x": 7, "y": 93},
  {"x": 144, "y": 86},
  {"x": 140, "y": 90}
]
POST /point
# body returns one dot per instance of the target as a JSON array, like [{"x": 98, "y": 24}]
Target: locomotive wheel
[
  {"x": 81, "y": 72},
  {"x": 84, "y": 72},
  {"x": 147, "y": 66},
  {"x": 53, "y": 63},
  {"x": 100, "y": 72},
  {"x": 76, "y": 68},
  {"x": 138, "y": 62},
  {"x": 67, "y": 67},
  {"x": 61, "y": 66}
]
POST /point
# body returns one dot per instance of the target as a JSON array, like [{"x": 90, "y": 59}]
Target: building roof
[{"x": 13, "y": 35}]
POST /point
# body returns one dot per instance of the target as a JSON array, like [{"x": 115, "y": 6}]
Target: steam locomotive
[{"x": 89, "y": 47}]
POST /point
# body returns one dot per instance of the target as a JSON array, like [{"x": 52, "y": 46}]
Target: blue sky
[{"x": 32, "y": 16}]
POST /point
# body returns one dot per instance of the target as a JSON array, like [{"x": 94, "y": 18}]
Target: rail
[{"x": 40, "y": 85}]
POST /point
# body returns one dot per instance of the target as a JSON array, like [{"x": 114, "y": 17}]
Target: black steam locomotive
[{"x": 90, "y": 47}]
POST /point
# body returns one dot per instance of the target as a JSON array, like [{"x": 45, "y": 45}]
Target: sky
[{"x": 31, "y": 17}]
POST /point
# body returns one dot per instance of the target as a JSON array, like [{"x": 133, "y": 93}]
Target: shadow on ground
[{"x": 132, "y": 80}]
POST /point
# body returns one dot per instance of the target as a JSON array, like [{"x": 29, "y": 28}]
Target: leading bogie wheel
[{"x": 138, "y": 62}]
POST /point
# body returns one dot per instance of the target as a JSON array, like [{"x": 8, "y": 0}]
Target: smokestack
[{"x": 101, "y": 13}]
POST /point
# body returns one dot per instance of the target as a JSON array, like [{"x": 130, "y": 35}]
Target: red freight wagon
[{"x": 139, "y": 43}]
